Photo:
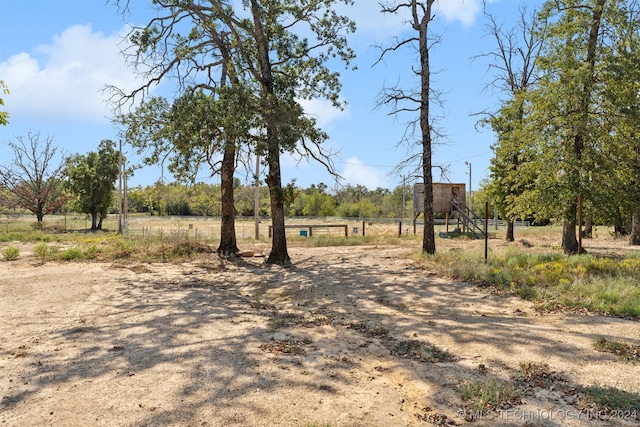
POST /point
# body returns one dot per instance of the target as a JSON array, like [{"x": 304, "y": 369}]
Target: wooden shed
[{"x": 443, "y": 194}]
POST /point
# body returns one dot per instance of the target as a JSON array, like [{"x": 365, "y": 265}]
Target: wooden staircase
[{"x": 472, "y": 221}]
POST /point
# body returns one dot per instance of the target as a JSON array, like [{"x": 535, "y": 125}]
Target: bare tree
[
  {"x": 514, "y": 63},
  {"x": 34, "y": 179},
  {"x": 416, "y": 100}
]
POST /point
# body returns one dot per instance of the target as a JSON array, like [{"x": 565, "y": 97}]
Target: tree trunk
[
  {"x": 569, "y": 238},
  {"x": 228, "y": 244},
  {"x": 94, "y": 220},
  {"x": 621, "y": 226},
  {"x": 634, "y": 237},
  {"x": 509, "y": 236},
  {"x": 587, "y": 231},
  {"x": 428, "y": 237},
  {"x": 99, "y": 226},
  {"x": 279, "y": 254}
]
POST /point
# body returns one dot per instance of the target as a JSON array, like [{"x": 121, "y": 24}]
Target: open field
[{"x": 347, "y": 336}]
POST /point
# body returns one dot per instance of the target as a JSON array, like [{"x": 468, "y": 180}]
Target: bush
[
  {"x": 41, "y": 250},
  {"x": 11, "y": 253},
  {"x": 123, "y": 247},
  {"x": 71, "y": 254}
]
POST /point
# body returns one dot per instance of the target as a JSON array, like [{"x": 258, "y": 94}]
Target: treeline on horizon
[{"x": 202, "y": 199}]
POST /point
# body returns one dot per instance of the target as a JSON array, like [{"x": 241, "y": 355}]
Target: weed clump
[{"x": 11, "y": 253}]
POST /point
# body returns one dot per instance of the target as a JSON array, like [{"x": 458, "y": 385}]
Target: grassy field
[
  {"x": 207, "y": 228},
  {"x": 606, "y": 280}
]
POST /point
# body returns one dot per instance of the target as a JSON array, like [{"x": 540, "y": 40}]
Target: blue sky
[{"x": 56, "y": 56}]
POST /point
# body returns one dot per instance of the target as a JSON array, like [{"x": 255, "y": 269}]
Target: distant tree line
[
  {"x": 43, "y": 181},
  {"x": 204, "y": 199}
]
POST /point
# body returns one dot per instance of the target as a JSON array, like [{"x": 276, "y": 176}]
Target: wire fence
[{"x": 208, "y": 228}]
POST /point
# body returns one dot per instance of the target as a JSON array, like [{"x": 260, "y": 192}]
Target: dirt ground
[{"x": 325, "y": 342}]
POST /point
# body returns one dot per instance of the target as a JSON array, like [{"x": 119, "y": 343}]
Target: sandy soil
[{"x": 324, "y": 342}]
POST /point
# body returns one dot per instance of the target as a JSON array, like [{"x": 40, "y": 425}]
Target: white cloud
[
  {"x": 65, "y": 79},
  {"x": 357, "y": 173},
  {"x": 369, "y": 18},
  {"x": 465, "y": 11},
  {"x": 323, "y": 111}
]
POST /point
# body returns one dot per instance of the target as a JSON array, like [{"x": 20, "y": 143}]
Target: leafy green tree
[
  {"x": 318, "y": 203},
  {"x": 139, "y": 200},
  {"x": 277, "y": 53},
  {"x": 622, "y": 77},
  {"x": 363, "y": 209},
  {"x": 204, "y": 199},
  {"x": 566, "y": 105},
  {"x": 212, "y": 115},
  {"x": 514, "y": 60},
  {"x": 401, "y": 194},
  {"x": 188, "y": 134},
  {"x": 91, "y": 178},
  {"x": 34, "y": 179},
  {"x": 286, "y": 66},
  {"x": 4, "y": 116},
  {"x": 514, "y": 167}
]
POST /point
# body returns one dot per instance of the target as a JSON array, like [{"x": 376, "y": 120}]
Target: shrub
[
  {"x": 123, "y": 247},
  {"x": 71, "y": 254},
  {"x": 11, "y": 253},
  {"x": 41, "y": 250},
  {"x": 91, "y": 251}
]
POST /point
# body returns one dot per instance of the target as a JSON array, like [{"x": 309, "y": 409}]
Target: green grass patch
[
  {"x": 614, "y": 401},
  {"x": 607, "y": 285},
  {"x": 121, "y": 247},
  {"x": 324, "y": 241},
  {"x": 483, "y": 397},
  {"x": 623, "y": 350}
]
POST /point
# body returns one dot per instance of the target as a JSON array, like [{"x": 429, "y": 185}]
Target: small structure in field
[
  {"x": 443, "y": 196},
  {"x": 449, "y": 200}
]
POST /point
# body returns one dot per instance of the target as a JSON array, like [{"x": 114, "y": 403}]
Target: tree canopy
[
  {"x": 571, "y": 135},
  {"x": 274, "y": 50},
  {"x": 4, "y": 115},
  {"x": 91, "y": 178}
]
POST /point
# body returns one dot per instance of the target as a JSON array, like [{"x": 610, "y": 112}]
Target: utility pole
[
  {"x": 470, "y": 192},
  {"x": 125, "y": 199},
  {"x": 403, "y": 196},
  {"x": 120, "y": 190}
]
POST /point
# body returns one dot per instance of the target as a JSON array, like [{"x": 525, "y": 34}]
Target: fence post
[
  {"x": 579, "y": 224},
  {"x": 486, "y": 231},
  {"x": 362, "y": 228}
]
